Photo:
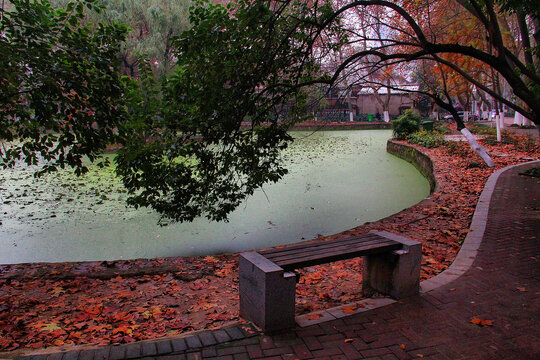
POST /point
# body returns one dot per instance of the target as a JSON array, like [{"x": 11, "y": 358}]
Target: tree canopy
[
  {"x": 218, "y": 125},
  {"x": 60, "y": 89}
]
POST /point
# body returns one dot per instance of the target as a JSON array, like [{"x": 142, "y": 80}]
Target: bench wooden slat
[
  {"x": 352, "y": 248},
  {"x": 320, "y": 244},
  {"x": 316, "y": 253},
  {"x": 325, "y": 247},
  {"x": 318, "y": 260}
]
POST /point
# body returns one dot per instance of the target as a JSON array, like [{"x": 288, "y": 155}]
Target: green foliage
[
  {"x": 152, "y": 25},
  {"x": 428, "y": 139},
  {"x": 406, "y": 124},
  {"x": 215, "y": 133},
  {"x": 59, "y": 84},
  {"x": 442, "y": 128},
  {"x": 480, "y": 129}
]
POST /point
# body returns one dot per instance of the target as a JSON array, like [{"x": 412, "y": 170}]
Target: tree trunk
[
  {"x": 498, "y": 125},
  {"x": 477, "y": 148},
  {"x": 386, "y": 116},
  {"x": 518, "y": 118}
]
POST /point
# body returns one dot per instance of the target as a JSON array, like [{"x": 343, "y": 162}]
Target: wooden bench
[{"x": 268, "y": 285}]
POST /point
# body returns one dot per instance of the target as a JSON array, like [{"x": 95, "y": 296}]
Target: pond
[{"x": 337, "y": 180}]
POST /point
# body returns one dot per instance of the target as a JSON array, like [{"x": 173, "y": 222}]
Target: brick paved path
[{"x": 503, "y": 285}]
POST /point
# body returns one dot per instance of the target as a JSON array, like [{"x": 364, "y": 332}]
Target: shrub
[
  {"x": 406, "y": 124},
  {"x": 442, "y": 128},
  {"x": 426, "y": 139}
]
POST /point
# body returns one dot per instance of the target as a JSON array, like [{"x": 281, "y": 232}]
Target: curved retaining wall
[{"x": 419, "y": 159}]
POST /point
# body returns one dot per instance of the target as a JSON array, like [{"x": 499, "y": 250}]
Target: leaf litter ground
[{"x": 112, "y": 302}]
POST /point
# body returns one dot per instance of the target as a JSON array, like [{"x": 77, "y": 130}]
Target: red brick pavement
[{"x": 503, "y": 285}]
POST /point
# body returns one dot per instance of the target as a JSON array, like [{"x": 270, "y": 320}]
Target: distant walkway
[
  {"x": 501, "y": 290},
  {"x": 519, "y": 131}
]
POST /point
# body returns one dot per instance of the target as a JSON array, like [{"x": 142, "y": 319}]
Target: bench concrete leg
[
  {"x": 267, "y": 293},
  {"x": 395, "y": 274}
]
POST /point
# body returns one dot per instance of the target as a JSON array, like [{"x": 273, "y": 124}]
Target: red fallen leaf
[
  {"x": 210, "y": 259},
  {"x": 349, "y": 309},
  {"x": 220, "y": 317},
  {"x": 325, "y": 296},
  {"x": 481, "y": 322},
  {"x": 79, "y": 325},
  {"x": 179, "y": 325},
  {"x": 349, "y": 340},
  {"x": 36, "y": 345},
  {"x": 76, "y": 335},
  {"x": 95, "y": 310},
  {"x": 342, "y": 274},
  {"x": 314, "y": 316},
  {"x": 402, "y": 346},
  {"x": 126, "y": 330},
  {"x": 98, "y": 328},
  {"x": 197, "y": 286},
  {"x": 121, "y": 316},
  {"x": 522, "y": 289},
  {"x": 248, "y": 330},
  {"x": 224, "y": 272},
  {"x": 58, "y": 342},
  {"x": 124, "y": 294}
]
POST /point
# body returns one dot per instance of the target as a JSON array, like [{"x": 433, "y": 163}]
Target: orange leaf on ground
[
  {"x": 349, "y": 309},
  {"x": 314, "y": 316},
  {"x": 123, "y": 329},
  {"x": 482, "y": 322},
  {"x": 349, "y": 340}
]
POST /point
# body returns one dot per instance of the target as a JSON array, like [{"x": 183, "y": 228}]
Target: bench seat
[
  {"x": 322, "y": 252},
  {"x": 267, "y": 284}
]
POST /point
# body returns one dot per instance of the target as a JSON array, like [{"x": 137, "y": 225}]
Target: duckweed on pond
[{"x": 337, "y": 180}]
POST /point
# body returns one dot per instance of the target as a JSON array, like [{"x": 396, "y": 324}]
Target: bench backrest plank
[{"x": 316, "y": 253}]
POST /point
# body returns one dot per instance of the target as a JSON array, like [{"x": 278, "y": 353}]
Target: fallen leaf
[
  {"x": 482, "y": 322},
  {"x": 50, "y": 327},
  {"x": 402, "y": 346},
  {"x": 314, "y": 316},
  {"x": 349, "y": 309},
  {"x": 58, "y": 342},
  {"x": 349, "y": 340},
  {"x": 123, "y": 329},
  {"x": 522, "y": 289}
]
